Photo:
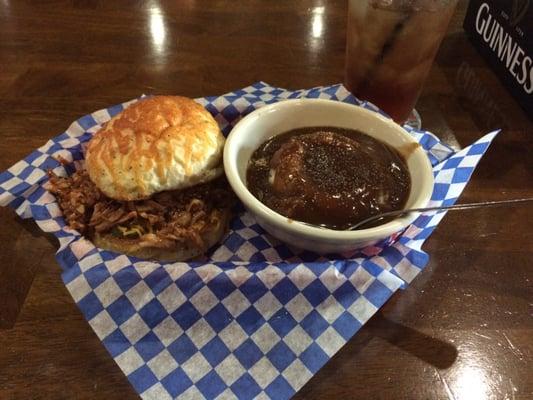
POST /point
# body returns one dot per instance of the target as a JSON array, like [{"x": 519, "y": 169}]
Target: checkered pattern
[{"x": 257, "y": 318}]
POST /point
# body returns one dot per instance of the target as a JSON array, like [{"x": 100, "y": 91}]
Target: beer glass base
[{"x": 414, "y": 120}]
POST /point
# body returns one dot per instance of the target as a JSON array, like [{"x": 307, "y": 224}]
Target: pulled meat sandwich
[{"x": 153, "y": 186}]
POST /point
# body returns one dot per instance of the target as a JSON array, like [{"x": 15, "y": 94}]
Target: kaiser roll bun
[{"x": 156, "y": 144}]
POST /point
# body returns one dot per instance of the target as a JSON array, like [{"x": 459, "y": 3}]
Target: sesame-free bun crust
[{"x": 158, "y": 143}]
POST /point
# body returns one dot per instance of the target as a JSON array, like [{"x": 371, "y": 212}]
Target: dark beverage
[{"x": 391, "y": 45}]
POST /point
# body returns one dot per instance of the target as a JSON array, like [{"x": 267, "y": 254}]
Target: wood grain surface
[{"x": 462, "y": 330}]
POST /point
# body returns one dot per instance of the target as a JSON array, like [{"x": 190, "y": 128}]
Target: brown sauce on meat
[
  {"x": 167, "y": 218},
  {"x": 332, "y": 177}
]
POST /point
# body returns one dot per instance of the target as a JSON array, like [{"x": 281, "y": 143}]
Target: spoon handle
[{"x": 464, "y": 206}]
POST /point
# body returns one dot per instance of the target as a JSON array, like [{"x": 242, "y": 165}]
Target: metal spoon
[{"x": 465, "y": 206}]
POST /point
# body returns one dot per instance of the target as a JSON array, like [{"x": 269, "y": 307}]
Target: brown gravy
[{"x": 332, "y": 177}]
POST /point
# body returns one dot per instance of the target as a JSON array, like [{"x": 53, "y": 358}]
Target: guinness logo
[{"x": 519, "y": 10}]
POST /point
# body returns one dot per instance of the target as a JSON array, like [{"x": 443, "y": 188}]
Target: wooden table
[{"x": 463, "y": 330}]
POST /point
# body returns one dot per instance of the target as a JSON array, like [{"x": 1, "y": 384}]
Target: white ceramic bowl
[{"x": 271, "y": 120}]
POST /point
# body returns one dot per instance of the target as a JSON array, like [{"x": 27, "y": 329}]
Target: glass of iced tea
[{"x": 390, "y": 47}]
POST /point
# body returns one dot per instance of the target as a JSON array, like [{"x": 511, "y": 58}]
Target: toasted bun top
[{"x": 156, "y": 144}]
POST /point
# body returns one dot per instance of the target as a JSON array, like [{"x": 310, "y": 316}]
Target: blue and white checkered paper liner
[{"x": 257, "y": 319}]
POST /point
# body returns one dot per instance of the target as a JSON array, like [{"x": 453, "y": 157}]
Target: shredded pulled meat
[{"x": 161, "y": 221}]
